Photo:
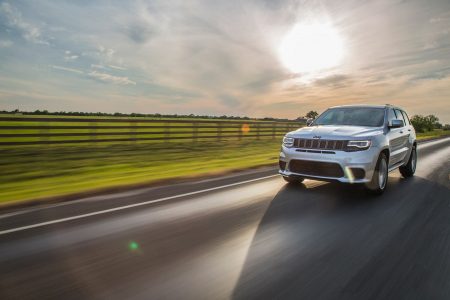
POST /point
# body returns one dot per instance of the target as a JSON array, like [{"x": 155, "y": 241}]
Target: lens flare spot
[
  {"x": 245, "y": 128},
  {"x": 349, "y": 174},
  {"x": 133, "y": 246}
]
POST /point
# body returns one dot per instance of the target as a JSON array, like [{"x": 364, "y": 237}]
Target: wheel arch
[{"x": 386, "y": 152}]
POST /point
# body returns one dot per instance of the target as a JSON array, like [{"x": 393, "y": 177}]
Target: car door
[
  {"x": 396, "y": 138},
  {"x": 410, "y": 137},
  {"x": 404, "y": 135}
]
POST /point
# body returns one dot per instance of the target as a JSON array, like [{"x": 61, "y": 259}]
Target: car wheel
[
  {"x": 380, "y": 176},
  {"x": 409, "y": 169},
  {"x": 293, "y": 180}
]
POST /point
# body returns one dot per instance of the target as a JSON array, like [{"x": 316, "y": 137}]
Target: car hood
[{"x": 336, "y": 132}]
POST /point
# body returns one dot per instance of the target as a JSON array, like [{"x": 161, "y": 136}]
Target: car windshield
[{"x": 352, "y": 116}]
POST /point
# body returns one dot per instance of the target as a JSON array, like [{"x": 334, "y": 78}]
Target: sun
[{"x": 311, "y": 47}]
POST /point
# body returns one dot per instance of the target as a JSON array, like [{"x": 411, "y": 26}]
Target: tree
[
  {"x": 422, "y": 124},
  {"x": 419, "y": 123},
  {"x": 432, "y": 122},
  {"x": 312, "y": 114}
]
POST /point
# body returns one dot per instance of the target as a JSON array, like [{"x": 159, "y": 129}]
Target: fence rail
[{"x": 40, "y": 130}]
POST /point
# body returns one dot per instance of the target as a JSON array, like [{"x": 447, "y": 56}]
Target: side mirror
[
  {"x": 309, "y": 121},
  {"x": 396, "y": 124}
]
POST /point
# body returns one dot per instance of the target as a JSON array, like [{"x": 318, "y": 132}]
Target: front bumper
[{"x": 348, "y": 161}]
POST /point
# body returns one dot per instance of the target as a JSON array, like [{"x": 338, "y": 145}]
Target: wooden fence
[{"x": 63, "y": 130}]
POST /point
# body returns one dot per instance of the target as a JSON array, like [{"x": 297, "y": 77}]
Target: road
[{"x": 248, "y": 236}]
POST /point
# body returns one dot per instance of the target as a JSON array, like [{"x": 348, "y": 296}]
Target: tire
[
  {"x": 293, "y": 180},
  {"x": 409, "y": 169},
  {"x": 380, "y": 176}
]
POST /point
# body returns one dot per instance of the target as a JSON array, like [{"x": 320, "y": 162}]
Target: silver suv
[{"x": 351, "y": 144}]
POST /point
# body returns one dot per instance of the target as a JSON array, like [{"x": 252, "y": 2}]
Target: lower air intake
[{"x": 316, "y": 168}]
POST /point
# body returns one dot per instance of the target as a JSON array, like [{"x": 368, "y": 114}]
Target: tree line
[{"x": 140, "y": 115}]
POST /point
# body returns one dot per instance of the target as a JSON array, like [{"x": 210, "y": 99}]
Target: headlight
[
  {"x": 358, "y": 145},
  {"x": 288, "y": 141}
]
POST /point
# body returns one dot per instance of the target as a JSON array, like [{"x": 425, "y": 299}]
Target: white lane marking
[
  {"x": 432, "y": 142},
  {"x": 100, "y": 212},
  {"x": 133, "y": 192}
]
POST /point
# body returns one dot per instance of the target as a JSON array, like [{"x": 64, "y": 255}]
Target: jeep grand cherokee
[{"x": 351, "y": 144}]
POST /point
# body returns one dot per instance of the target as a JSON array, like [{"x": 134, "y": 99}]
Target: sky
[{"x": 220, "y": 57}]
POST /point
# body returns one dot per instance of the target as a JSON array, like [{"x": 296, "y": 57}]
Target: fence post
[
  {"x": 166, "y": 132},
  {"x": 93, "y": 131},
  {"x": 257, "y": 131},
  {"x": 240, "y": 129},
  {"x": 194, "y": 131},
  {"x": 274, "y": 126},
  {"x": 43, "y": 137},
  {"x": 133, "y": 131},
  {"x": 219, "y": 131}
]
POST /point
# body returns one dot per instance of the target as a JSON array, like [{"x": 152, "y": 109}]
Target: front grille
[
  {"x": 320, "y": 144},
  {"x": 316, "y": 168}
]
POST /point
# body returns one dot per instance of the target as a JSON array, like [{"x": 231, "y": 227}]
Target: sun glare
[{"x": 311, "y": 47}]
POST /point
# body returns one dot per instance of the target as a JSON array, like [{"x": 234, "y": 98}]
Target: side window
[
  {"x": 400, "y": 116},
  {"x": 391, "y": 115},
  {"x": 405, "y": 116}
]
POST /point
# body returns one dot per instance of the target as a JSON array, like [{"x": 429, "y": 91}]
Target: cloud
[
  {"x": 69, "y": 56},
  {"x": 102, "y": 67},
  {"x": 139, "y": 32},
  {"x": 333, "y": 81},
  {"x": 444, "y": 17},
  {"x": 229, "y": 100},
  {"x": 15, "y": 20},
  {"x": 67, "y": 69},
  {"x": 95, "y": 66},
  {"x": 117, "y": 67},
  {"x": 5, "y": 43},
  {"x": 105, "y": 77},
  {"x": 106, "y": 53}
]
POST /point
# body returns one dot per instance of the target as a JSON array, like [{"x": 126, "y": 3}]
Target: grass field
[
  {"x": 433, "y": 134},
  {"x": 33, "y": 172},
  {"x": 37, "y": 172}
]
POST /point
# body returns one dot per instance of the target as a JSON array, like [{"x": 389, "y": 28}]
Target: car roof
[{"x": 367, "y": 105}]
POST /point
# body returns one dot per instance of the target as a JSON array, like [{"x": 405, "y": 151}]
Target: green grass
[
  {"x": 433, "y": 134},
  {"x": 35, "y": 172}
]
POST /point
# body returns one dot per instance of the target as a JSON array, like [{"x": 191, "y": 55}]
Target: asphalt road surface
[{"x": 248, "y": 236}]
